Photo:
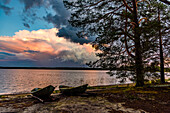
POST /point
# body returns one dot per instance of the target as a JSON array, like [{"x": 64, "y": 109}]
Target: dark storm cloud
[
  {"x": 60, "y": 20},
  {"x": 6, "y": 54},
  {"x": 6, "y": 1},
  {"x": 58, "y": 15},
  {"x": 32, "y": 3},
  {"x": 70, "y": 33},
  {"x": 58, "y": 7},
  {"x": 31, "y": 51},
  {"x": 61, "y": 16},
  {"x": 26, "y": 25},
  {"x": 67, "y": 30},
  {"x": 5, "y": 8},
  {"x": 56, "y": 20}
]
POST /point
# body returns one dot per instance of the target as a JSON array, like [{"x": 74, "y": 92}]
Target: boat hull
[
  {"x": 73, "y": 90},
  {"x": 44, "y": 92}
]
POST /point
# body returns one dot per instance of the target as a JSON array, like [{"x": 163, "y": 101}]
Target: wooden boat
[
  {"x": 35, "y": 89},
  {"x": 66, "y": 90},
  {"x": 43, "y": 93}
]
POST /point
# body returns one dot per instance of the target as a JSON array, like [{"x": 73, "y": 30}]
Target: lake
[{"x": 24, "y": 80}]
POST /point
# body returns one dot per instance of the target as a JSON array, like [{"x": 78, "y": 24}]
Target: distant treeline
[
  {"x": 55, "y": 68},
  {"x": 86, "y": 68}
]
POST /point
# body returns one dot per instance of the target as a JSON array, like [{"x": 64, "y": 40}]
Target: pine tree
[
  {"x": 162, "y": 18},
  {"x": 120, "y": 30}
]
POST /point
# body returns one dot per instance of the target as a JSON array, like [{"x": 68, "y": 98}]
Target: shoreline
[
  {"x": 76, "y": 68},
  {"x": 89, "y": 87},
  {"x": 106, "y": 99}
]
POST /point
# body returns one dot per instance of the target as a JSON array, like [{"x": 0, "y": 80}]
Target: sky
[{"x": 36, "y": 33}]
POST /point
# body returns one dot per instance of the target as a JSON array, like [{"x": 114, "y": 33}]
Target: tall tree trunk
[
  {"x": 161, "y": 51},
  {"x": 138, "y": 53}
]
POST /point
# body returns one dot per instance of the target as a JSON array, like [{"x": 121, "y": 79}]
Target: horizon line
[{"x": 55, "y": 68}]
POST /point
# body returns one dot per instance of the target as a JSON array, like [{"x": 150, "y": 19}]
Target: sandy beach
[{"x": 110, "y": 99}]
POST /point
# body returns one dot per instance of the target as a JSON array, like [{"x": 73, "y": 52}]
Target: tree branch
[
  {"x": 104, "y": 16},
  {"x": 142, "y": 19},
  {"x": 126, "y": 45},
  {"x": 130, "y": 37},
  {"x": 142, "y": 1},
  {"x": 127, "y": 49},
  {"x": 94, "y": 3},
  {"x": 127, "y": 6}
]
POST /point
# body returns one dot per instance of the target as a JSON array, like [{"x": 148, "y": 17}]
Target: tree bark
[
  {"x": 138, "y": 53},
  {"x": 161, "y": 51}
]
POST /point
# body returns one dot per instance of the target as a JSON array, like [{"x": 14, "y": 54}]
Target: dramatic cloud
[
  {"x": 26, "y": 25},
  {"x": 6, "y": 1},
  {"x": 70, "y": 33},
  {"x": 49, "y": 11},
  {"x": 5, "y": 8},
  {"x": 5, "y": 55},
  {"x": 32, "y": 3},
  {"x": 56, "y": 14},
  {"x": 60, "y": 16},
  {"x": 44, "y": 48}
]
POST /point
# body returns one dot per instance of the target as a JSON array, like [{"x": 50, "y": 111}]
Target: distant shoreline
[
  {"x": 72, "y": 68},
  {"x": 55, "y": 68}
]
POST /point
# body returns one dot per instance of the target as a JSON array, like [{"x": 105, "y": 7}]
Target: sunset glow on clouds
[
  {"x": 43, "y": 47},
  {"x": 56, "y": 47}
]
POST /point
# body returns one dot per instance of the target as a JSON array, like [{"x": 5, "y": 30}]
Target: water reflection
[{"x": 24, "y": 80}]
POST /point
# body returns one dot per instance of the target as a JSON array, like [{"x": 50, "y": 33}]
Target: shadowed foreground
[{"x": 103, "y": 99}]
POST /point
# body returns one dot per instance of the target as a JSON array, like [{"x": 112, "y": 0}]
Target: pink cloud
[{"x": 43, "y": 45}]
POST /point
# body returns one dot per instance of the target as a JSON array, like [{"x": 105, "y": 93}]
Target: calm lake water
[{"x": 24, "y": 80}]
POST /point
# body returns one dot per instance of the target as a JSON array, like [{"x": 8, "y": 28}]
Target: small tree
[{"x": 162, "y": 27}]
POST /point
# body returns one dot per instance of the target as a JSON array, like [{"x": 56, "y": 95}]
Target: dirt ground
[{"x": 95, "y": 100}]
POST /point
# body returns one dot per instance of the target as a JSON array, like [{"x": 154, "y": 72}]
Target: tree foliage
[
  {"x": 163, "y": 34},
  {"x": 124, "y": 31},
  {"x": 165, "y": 1}
]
